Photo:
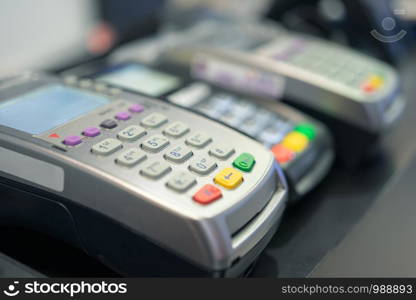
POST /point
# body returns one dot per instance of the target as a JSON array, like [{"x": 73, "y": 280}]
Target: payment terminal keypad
[
  {"x": 343, "y": 67},
  {"x": 161, "y": 149},
  {"x": 286, "y": 138}
]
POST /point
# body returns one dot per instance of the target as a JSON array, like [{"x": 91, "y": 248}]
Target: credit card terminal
[
  {"x": 358, "y": 96},
  {"x": 301, "y": 145},
  {"x": 146, "y": 187}
]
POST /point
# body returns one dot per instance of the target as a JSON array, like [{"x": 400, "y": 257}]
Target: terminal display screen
[
  {"x": 47, "y": 107},
  {"x": 142, "y": 79}
]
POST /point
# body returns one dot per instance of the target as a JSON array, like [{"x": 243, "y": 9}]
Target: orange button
[
  {"x": 282, "y": 154},
  {"x": 207, "y": 194}
]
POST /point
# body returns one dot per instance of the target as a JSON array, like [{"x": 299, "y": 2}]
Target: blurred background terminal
[{"x": 47, "y": 33}]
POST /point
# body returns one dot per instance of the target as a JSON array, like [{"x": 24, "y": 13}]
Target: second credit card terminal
[
  {"x": 145, "y": 187},
  {"x": 357, "y": 96},
  {"x": 300, "y": 144}
]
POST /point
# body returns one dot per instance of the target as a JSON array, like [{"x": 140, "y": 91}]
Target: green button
[
  {"x": 307, "y": 129},
  {"x": 245, "y": 162}
]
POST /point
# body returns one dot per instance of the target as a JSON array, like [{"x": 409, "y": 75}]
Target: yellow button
[
  {"x": 229, "y": 178},
  {"x": 376, "y": 81},
  {"x": 296, "y": 141}
]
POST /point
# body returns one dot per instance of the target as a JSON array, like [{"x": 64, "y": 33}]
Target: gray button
[
  {"x": 203, "y": 165},
  {"x": 221, "y": 152},
  {"x": 71, "y": 80},
  {"x": 109, "y": 124},
  {"x": 155, "y": 143},
  {"x": 181, "y": 182},
  {"x": 198, "y": 139},
  {"x": 131, "y": 158},
  {"x": 131, "y": 133},
  {"x": 85, "y": 83},
  {"x": 232, "y": 119},
  {"x": 207, "y": 110},
  {"x": 179, "y": 154},
  {"x": 271, "y": 136},
  {"x": 191, "y": 95},
  {"x": 257, "y": 122},
  {"x": 223, "y": 102},
  {"x": 154, "y": 120},
  {"x": 107, "y": 147},
  {"x": 156, "y": 169},
  {"x": 100, "y": 87},
  {"x": 176, "y": 129},
  {"x": 244, "y": 109},
  {"x": 114, "y": 91},
  {"x": 252, "y": 127}
]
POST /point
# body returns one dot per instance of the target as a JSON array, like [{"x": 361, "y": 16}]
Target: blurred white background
[{"x": 40, "y": 33}]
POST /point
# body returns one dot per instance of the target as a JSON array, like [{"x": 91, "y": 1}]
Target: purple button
[
  {"x": 72, "y": 140},
  {"x": 91, "y": 132},
  {"x": 123, "y": 116},
  {"x": 136, "y": 108}
]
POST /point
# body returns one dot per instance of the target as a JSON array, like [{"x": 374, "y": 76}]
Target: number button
[
  {"x": 154, "y": 120},
  {"x": 155, "y": 170},
  {"x": 131, "y": 158},
  {"x": 155, "y": 143},
  {"x": 229, "y": 178},
  {"x": 176, "y": 129},
  {"x": 203, "y": 166},
  {"x": 221, "y": 152},
  {"x": 179, "y": 154},
  {"x": 131, "y": 133},
  {"x": 198, "y": 139},
  {"x": 181, "y": 182},
  {"x": 107, "y": 147}
]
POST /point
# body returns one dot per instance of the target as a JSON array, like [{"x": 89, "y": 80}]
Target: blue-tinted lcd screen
[
  {"x": 142, "y": 79},
  {"x": 47, "y": 107}
]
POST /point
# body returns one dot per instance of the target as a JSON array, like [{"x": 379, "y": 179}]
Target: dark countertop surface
[
  {"x": 383, "y": 243},
  {"x": 325, "y": 217},
  {"x": 308, "y": 232},
  {"x": 12, "y": 268}
]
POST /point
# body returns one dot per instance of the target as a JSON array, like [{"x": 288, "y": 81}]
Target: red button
[
  {"x": 369, "y": 88},
  {"x": 207, "y": 194},
  {"x": 282, "y": 154}
]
